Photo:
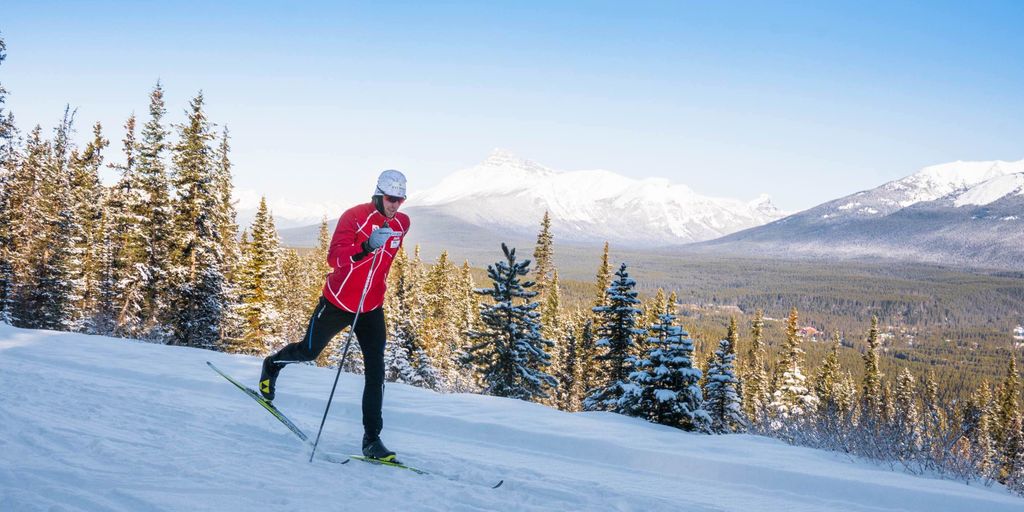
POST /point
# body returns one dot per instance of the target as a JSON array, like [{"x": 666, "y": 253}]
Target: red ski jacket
[{"x": 349, "y": 272}]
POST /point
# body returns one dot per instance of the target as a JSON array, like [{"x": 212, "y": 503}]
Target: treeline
[{"x": 158, "y": 256}]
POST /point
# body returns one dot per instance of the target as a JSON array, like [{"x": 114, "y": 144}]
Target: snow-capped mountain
[
  {"x": 960, "y": 212},
  {"x": 509, "y": 194}
]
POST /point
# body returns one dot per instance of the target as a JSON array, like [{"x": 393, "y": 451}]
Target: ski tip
[{"x": 495, "y": 486}]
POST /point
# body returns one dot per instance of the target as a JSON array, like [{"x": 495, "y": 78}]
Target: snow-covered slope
[
  {"x": 957, "y": 213},
  {"x": 509, "y": 194},
  {"x": 93, "y": 423}
]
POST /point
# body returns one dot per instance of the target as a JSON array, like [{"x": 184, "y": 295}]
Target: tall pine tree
[
  {"x": 157, "y": 213},
  {"x": 198, "y": 277},
  {"x": 260, "y": 287}
]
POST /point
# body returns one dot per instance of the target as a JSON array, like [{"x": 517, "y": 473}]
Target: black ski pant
[{"x": 327, "y": 321}]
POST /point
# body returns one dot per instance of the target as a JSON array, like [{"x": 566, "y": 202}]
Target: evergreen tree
[
  {"x": 128, "y": 258},
  {"x": 604, "y": 279},
  {"x": 755, "y": 378},
  {"x": 439, "y": 330},
  {"x": 552, "y": 324},
  {"x": 1015, "y": 471},
  {"x": 906, "y": 421},
  {"x": 872, "y": 405},
  {"x": 9, "y": 162},
  {"x": 55, "y": 282},
  {"x": 1007, "y": 407},
  {"x": 722, "y": 400},
  {"x": 319, "y": 268},
  {"x": 407, "y": 360},
  {"x": 616, "y": 332},
  {"x": 26, "y": 196},
  {"x": 934, "y": 423},
  {"x": 157, "y": 215},
  {"x": 260, "y": 287},
  {"x": 829, "y": 389},
  {"x": 293, "y": 313},
  {"x": 227, "y": 222},
  {"x": 542, "y": 257},
  {"x": 792, "y": 401},
  {"x": 983, "y": 450},
  {"x": 569, "y": 379},
  {"x": 667, "y": 381},
  {"x": 591, "y": 368},
  {"x": 467, "y": 315},
  {"x": 87, "y": 198},
  {"x": 198, "y": 276},
  {"x": 511, "y": 350}
]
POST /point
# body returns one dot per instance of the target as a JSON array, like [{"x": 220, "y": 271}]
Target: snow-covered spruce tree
[
  {"x": 667, "y": 380},
  {"x": 755, "y": 376},
  {"x": 792, "y": 401},
  {"x": 198, "y": 276},
  {"x": 26, "y": 195},
  {"x": 259, "y": 288},
  {"x": 227, "y": 222},
  {"x": 510, "y": 352},
  {"x": 157, "y": 216},
  {"x": 87, "y": 198},
  {"x": 721, "y": 399},
  {"x": 9, "y": 161},
  {"x": 128, "y": 242},
  {"x": 56, "y": 271},
  {"x": 616, "y": 331}
]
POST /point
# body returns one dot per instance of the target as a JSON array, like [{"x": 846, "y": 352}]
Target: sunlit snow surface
[{"x": 94, "y": 423}]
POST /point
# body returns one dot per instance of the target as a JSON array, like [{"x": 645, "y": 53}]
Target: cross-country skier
[{"x": 366, "y": 240}]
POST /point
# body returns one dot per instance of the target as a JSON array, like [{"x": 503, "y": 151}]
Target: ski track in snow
[{"x": 92, "y": 423}]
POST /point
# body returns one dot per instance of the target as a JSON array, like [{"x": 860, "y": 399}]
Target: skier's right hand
[{"x": 379, "y": 237}]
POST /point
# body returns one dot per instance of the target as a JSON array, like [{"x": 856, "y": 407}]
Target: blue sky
[{"x": 805, "y": 101}]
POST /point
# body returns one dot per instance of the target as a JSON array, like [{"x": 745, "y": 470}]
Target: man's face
[{"x": 391, "y": 205}]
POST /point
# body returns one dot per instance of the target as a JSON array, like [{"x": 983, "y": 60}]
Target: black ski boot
[
  {"x": 268, "y": 379},
  {"x": 375, "y": 449}
]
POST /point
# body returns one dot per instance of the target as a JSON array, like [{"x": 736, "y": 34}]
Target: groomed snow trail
[{"x": 94, "y": 423}]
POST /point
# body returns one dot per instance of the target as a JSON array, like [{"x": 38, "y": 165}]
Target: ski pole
[{"x": 344, "y": 353}]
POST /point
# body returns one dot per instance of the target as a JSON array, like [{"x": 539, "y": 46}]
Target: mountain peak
[
  {"x": 504, "y": 158},
  {"x": 512, "y": 194}
]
